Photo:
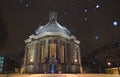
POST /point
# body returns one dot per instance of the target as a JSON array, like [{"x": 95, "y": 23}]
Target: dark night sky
[{"x": 91, "y": 21}]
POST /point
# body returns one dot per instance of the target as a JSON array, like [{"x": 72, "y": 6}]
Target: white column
[
  {"x": 58, "y": 48},
  {"x": 79, "y": 55},
  {"x": 25, "y": 57},
  {"x": 71, "y": 52},
  {"x": 36, "y": 55},
  {"x": 65, "y": 53},
  {"x": 39, "y": 52},
  {"x": 46, "y": 47},
  {"x": 32, "y": 51}
]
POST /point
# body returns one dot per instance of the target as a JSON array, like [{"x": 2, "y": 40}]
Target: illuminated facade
[{"x": 52, "y": 49}]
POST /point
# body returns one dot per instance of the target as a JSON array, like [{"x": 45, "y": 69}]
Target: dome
[{"x": 52, "y": 26}]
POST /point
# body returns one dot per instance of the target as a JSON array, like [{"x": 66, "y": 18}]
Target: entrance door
[{"x": 52, "y": 68}]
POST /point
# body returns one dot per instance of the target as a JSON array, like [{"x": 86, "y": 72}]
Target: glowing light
[
  {"x": 96, "y": 37},
  {"x": 85, "y": 10},
  {"x": 31, "y": 60},
  {"x": 27, "y": 5},
  {"x": 115, "y": 23},
  {"x": 94, "y": 63},
  {"x": 109, "y": 63},
  {"x": 97, "y": 6},
  {"x": 86, "y": 18},
  {"x": 75, "y": 60}
]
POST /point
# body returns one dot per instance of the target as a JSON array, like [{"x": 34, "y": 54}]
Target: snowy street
[{"x": 59, "y": 75}]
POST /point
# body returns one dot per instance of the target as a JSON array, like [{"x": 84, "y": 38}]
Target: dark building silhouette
[
  {"x": 8, "y": 65},
  {"x": 101, "y": 59}
]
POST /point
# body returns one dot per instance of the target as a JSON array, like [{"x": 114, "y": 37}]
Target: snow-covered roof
[{"x": 52, "y": 26}]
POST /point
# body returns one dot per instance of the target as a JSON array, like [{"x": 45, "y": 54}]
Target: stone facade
[{"x": 52, "y": 49}]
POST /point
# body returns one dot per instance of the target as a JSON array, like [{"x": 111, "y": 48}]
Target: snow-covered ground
[{"x": 59, "y": 75}]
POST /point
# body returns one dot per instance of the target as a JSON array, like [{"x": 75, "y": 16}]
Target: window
[{"x": 52, "y": 50}]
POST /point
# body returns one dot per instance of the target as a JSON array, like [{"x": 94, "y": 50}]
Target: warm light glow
[
  {"x": 75, "y": 60},
  {"x": 52, "y": 50},
  {"x": 31, "y": 60},
  {"x": 109, "y": 63}
]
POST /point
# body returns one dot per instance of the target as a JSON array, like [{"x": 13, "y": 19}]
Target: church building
[{"x": 52, "y": 49}]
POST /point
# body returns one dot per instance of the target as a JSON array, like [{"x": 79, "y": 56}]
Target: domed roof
[{"x": 52, "y": 26}]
